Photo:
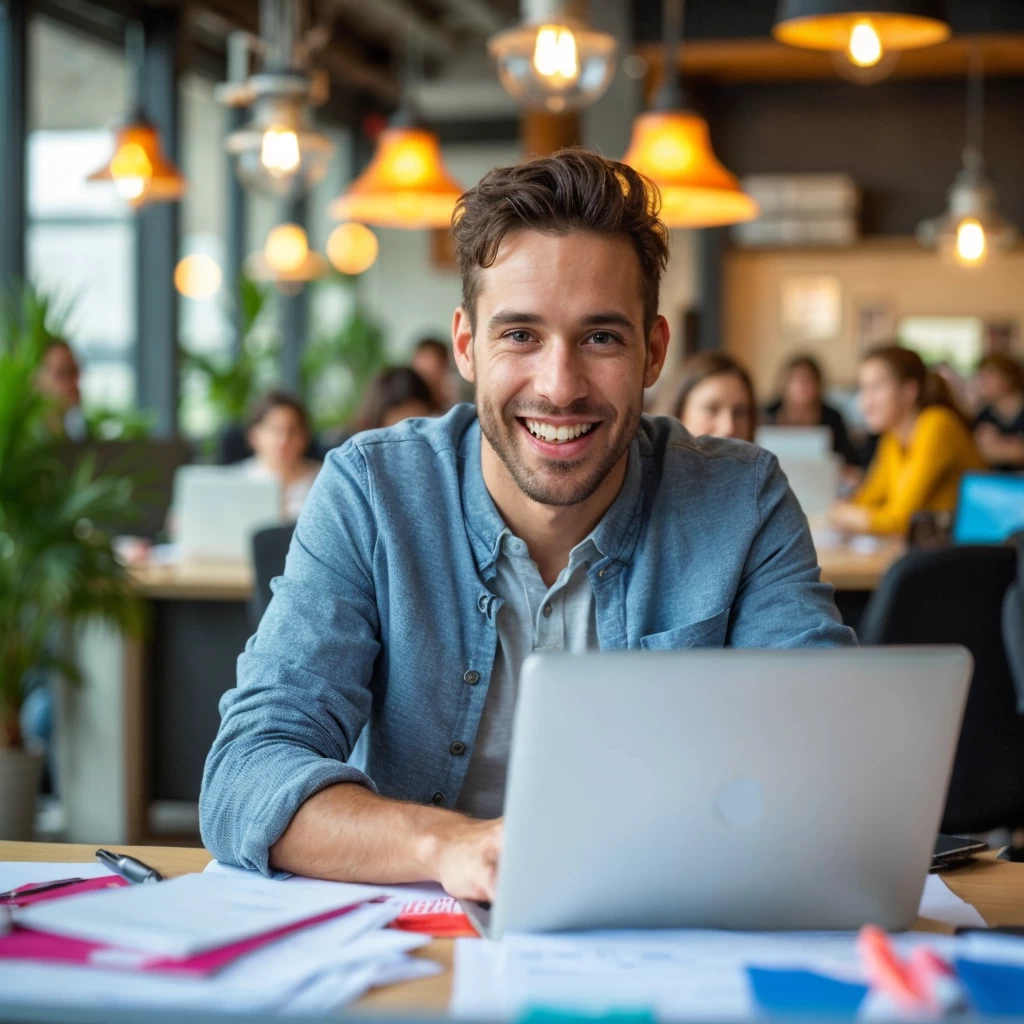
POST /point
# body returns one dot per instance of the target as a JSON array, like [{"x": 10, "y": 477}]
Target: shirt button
[
  {"x": 471, "y": 677},
  {"x": 457, "y": 748},
  {"x": 547, "y": 609},
  {"x": 600, "y": 573},
  {"x": 437, "y": 799}
]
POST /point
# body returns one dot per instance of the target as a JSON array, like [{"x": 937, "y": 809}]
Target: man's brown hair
[{"x": 571, "y": 190}]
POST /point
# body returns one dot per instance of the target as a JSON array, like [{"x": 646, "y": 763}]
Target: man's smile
[{"x": 559, "y": 437}]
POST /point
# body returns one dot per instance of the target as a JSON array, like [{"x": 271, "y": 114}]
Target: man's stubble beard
[{"x": 501, "y": 430}]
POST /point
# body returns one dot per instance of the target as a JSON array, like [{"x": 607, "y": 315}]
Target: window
[
  {"x": 956, "y": 340},
  {"x": 81, "y": 237}
]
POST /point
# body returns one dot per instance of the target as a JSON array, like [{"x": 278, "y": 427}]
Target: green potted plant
[{"x": 58, "y": 567}]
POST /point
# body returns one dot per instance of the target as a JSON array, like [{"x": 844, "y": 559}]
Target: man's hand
[{"x": 466, "y": 857}]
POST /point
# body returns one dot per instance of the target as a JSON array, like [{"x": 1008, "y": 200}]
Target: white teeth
[{"x": 557, "y": 435}]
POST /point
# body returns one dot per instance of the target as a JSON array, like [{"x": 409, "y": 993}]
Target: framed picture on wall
[
  {"x": 811, "y": 308},
  {"x": 875, "y": 323}
]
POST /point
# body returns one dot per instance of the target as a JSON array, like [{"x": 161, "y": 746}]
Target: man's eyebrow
[
  {"x": 610, "y": 317},
  {"x": 506, "y": 317}
]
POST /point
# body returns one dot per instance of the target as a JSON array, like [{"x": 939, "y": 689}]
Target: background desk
[
  {"x": 139, "y": 730},
  {"x": 994, "y": 887}
]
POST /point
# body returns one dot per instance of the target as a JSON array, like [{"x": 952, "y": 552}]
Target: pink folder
[{"x": 27, "y": 944}]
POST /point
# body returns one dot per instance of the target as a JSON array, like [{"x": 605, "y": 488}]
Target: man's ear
[
  {"x": 462, "y": 344},
  {"x": 657, "y": 347}
]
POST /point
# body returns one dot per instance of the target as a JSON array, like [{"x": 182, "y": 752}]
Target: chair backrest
[
  {"x": 1013, "y": 622},
  {"x": 269, "y": 550},
  {"x": 955, "y": 596}
]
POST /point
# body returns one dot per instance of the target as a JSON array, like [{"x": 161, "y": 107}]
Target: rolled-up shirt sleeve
[
  {"x": 782, "y": 601},
  {"x": 303, "y": 688}
]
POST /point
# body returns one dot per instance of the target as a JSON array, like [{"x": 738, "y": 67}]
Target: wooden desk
[
  {"x": 849, "y": 569},
  {"x": 995, "y": 888},
  {"x": 199, "y": 581}
]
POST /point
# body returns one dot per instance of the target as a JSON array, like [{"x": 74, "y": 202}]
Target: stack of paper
[
  {"x": 673, "y": 975},
  {"x": 231, "y": 941}
]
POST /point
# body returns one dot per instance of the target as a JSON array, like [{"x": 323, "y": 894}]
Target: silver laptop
[
  {"x": 219, "y": 508},
  {"x": 739, "y": 789},
  {"x": 800, "y": 442}
]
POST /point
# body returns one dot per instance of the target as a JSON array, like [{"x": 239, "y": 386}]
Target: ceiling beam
[
  {"x": 393, "y": 22},
  {"x": 474, "y": 16}
]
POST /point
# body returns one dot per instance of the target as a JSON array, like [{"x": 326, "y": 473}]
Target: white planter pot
[{"x": 20, "y": 772}]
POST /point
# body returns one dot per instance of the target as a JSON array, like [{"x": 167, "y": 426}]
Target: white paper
[
  {"x": 15, "y": 873},
  {"x": 191, "y": 913},
  {"x": 939, "y": 903},
  {"x": 677, "y": 975},
  {"x": 353, "y": 950},
  {"x": 407, "y": 893}
]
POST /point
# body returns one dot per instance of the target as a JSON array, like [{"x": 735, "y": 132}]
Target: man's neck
[{"x": 550, "y": 531}]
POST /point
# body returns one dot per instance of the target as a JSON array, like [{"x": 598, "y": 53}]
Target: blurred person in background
[
  {"x": 278, "y": 432},
  {"x": 714, "y": 396},
  {"x": 397, "y": 394},
  {"x": 801, "y": 403},
  {"x": 924, "y": 450},
  {"x": 432, "y": 360},
  {"x": 58, "y": 379},
  {"x": 999, "y": 426}
]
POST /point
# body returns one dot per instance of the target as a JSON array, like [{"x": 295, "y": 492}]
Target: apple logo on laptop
[{"x": 740, "y": 802}]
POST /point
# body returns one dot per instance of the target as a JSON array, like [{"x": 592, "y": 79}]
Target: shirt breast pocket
[{"x": 710, "y": 632}]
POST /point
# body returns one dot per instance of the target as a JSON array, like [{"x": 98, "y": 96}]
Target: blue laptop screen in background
[{"x": 990, "y": 508}]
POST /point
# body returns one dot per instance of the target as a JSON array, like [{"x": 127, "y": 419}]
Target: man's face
[{"x": 559, "y": 359}]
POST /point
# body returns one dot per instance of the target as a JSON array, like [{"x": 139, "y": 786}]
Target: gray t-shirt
[{"x": 532, "y": 618}]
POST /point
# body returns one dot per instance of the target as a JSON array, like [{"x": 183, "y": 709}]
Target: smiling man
[{"x": 368, "y": 735}]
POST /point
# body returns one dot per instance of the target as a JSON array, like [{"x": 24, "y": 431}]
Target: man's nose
[{"x": 560, "y": 376}]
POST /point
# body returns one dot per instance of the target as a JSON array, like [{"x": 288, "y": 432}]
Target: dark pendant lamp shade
[{"x": 827, "y": 24}]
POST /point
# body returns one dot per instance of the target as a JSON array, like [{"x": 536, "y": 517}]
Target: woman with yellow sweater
[{"x": 924, "y": 450}]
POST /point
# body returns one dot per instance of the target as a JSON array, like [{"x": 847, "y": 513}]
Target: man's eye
[
  {"x": 520, "y": 336},
  {"x": 603, "y": 338}
]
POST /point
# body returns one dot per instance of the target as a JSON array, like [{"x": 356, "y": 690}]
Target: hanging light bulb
[
  {"x": 971, "y": 247},
  {"x": 278, "y": 152},
  {"x": 972, "y": 229},
  {"x": 140, "y": 172},
  {"x": 198, "y": 276},
  {"x": 671, "y": 145},
  {"x": 406, "y": 184},
  {"x": 864, "y": 48},
  {"x": 352, "y": 248},
  {"x": 286, "y": 259},
  {"x": 863, "y": 34},
  {"x": 552, "y": 61}
]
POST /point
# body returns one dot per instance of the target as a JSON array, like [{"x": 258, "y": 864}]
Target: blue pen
[{"x": 128, "y": 867}]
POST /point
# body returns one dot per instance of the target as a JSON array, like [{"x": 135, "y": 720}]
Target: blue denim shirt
[{"x": 371, "y": 664}]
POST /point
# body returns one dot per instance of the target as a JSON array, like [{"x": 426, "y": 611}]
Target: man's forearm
[{"x": 348, "y": 834}]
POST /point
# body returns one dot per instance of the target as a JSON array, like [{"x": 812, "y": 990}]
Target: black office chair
[
  {"x": 269, "y": 550},
  {"x": 955, "y": 596},
  {"x": 1013, "y": 622}
]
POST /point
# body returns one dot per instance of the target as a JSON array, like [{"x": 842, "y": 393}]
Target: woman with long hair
[
  {"x": 714, "y": 395},
  {"x": 999, "y": 426},
  {"x": 801, "y": 403},
  {"x": 924, "y": 449}
]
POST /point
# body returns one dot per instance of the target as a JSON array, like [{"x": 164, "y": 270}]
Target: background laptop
[
  {"x": 740, "y": 789},
  {"x": 218, "y": 509},
  {"x": 990, "y": 508},
  {"x": 811, "y": 467}
]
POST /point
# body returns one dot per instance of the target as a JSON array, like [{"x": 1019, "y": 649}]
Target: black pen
[{"x": 128, "y": 867}]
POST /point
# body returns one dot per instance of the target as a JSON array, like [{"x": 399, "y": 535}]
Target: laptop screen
[{"x": 990, "y": 508}]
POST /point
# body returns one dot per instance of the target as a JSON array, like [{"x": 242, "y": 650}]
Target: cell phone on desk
[{"x": 952, "y": 851}]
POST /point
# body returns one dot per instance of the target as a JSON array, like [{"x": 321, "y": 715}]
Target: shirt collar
[{"x": 614, "y": 536}]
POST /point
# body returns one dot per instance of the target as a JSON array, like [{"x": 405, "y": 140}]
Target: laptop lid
[
  {"x": 727, "y": 788},
  {"x": 802, "y": 442},
  {"x": 990, "y": 508},
  {"x": 220, "y": 508}
]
